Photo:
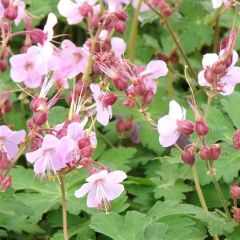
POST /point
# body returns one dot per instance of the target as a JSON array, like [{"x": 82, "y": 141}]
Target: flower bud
[
  {"x": 7, "y": 106},
  {"x": 236, "y": 139},
  {"x": 85, "y": 9},
  {"x": 109, "y": 99},
  {"x": 135, "y": 134},
  {"x": 11, "y": 12},
  {"x": 37, "y": 36},
  {"x": 174, "y": 58},
  {"x": 38, "y": 104},
  {"x": 120, "y": 126},
  {"x": 235, "y": 191},
  {"x": 3, "y": 65},
  {"x": 188, "y": 157},
  {"x": 129, "y": 124},
  {"x": 4, "y": 161},
  {"x": 219, "y": 67},
  {"x": 122, "y": 15},
  {"x": 120, "y": 84},
  {"x": 40, "y": 118},
  {"x": 205, "y": 153},
  {"x": 147, "y": 98},
  {"x": 87, "y": 151},
  {"x": 185, "y": 126},
  {"x": 84, "y": 142},
  {"x": 201, "y": 128},
  {"x": 236, "y": 214},
  {"x": 215, "y": 152},
  {"x": 6, "y": 182},
  {"x": 210, "y": 76},
  {"x": 120, "y": 26}
]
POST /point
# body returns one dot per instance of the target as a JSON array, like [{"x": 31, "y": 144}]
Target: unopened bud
[
  {"x": 11, "y": 12},
  {"x": 174, "y": 58},
  {"x": 87, "y": 151},
  {"x": 84, "y": 142},
  {"x": 235, "y": 191},
  {"x": 236, "y": 139},
  {"x": 210, "y": 76},
  {"x": 120, "y": 84},
  {"x": 109, "y": 99},
  {"x": 215, "y": 152},
  {"x": 3, "y": 65},
  {"x": 38, "y": 104},
  {"x": 40, "y": 118},
  {"x": 120, "y": 126},
  {"x": 37, "y": 36},
  {"x": 236, "y": 214},
  {"x": 188, "y": 157},
  {"x": 6, "y": 182},
  {"x": 219, "y": 67},
  {"x": 5, "y": 3},
  {"x": 85, "y": 9},
  {"x": 120, "y": 26},
  {"x": 205, "y": 153},
  {"x": 4, "y": 161},
  {"x": 185, "y": 126},
  {"x": 201, "y": 128}
]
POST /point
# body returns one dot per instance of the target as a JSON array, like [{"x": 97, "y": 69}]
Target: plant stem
[
  {"x": 64, "y": 207},
  {"x": 199, "y": 190},
  {"x": 133, "y": 36},
  {"x": 216, "y": 32},
  {"x": 220, "y": 195}
]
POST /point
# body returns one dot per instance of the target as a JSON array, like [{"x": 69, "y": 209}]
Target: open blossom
[
  {"x": 218, "y": 3},
  {"x": 102, "y": 187},
  {"x": 226, "y": 79},
  {"x": 52, "y": 155},
  {"x": 168, "y": 125},
  {"x": 76, "y": 11},
  {"x": 104, "y": 111},
  {"x": 9, "y": 140},
  {"x": 28, "y": 68}
]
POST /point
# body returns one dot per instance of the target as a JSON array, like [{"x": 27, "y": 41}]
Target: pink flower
[
  {"x": 143, "y": 8},
  {"x": 226, "y": 79},
  {"x": 21, "y": 12},
  {"x": 73, "y": 60},
  {"x": 9, "y": 140},
  {"x": 218, "y": 3},
  {"x": 102, "y": 187},
  {"x": 155, "y": 69},
  {"x": 104, "y": 112},
  {"x": 52, "y": 155},
  {"x": 168, "y": 125},
  {"x": 116, "y": 5},
  {"x": 76, "y": 11},
  {"x": 28, "y": 68}
]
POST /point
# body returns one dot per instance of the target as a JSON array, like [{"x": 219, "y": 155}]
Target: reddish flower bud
[
  {"x": 5, "y": 3},
  {"x": 87, "y": 152},
  {"x": 129, "y": 124},
  {"x": 109, "y": 99},
  {"x": 37, "y": 36},
  {"x": 188, "y": 157},
  {"x": 219, "y": 67},
  {"x": 7, "y": 106},
  {"x": 40, "y": 118},
  {"x": 121, "y": 15},
  {"x": 236, "y": 139},
  {"x": 201, "y": 128},
  {"x": 11, "y": 12},
  {"x": 94, "y": 21},
  {"x": 38, "y": 104},
  {"x": 3, "y": 65},
  {"x": 235, "y": 191},
  {"x": 174, "y": 58},
  {"x": 162, "y": 57},
  {"x": 120, "y": 126},
  {"x": 120, "y": 84},
  {"x": 129, "y": 103},
  {"x": 4, "y": 161},
  {"x": 236, "y": 214},
  {"x": 147, "y": 98},
  {"x": 84, "y": 142},
  {"x": 215, "y": 152},
  {"x": 85, "y": 9},
  {"x": 205, "y": 153},
  {"x": 6, "y": 182},
  {"x": 210, "y": 76},
  {"x": 120, "y": 26},
  {"x": 185, "y": 126}
]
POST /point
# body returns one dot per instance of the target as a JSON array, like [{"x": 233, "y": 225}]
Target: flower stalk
[{"x": 64, "y": 207}]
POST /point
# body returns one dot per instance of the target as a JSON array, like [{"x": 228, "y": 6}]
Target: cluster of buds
[
  {"x": 163, "y": 7},
  {"x": 40, "y": 111},
  {"x": 172, "y": 58},
  {"x": 188, "y": 155},
  {"x": 123, "y": 126},
  {"x": 235, "y": 195},
  {"x": 211, "y": 153}
]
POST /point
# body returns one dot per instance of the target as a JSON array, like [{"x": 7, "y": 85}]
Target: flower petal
[
  {"x": 217, "y": 3},
  {"x": 176, "y": 111},
  {"x": 202, "y": 80},
  {"x": 209, "y": 59},
  {"x": 116, "y": 177},
  {"x": 83, "y": 190},
  {"x": 113, "y": 191},
  {"x": 167, "y": 141},
  {"x": 118, "y": 46},
  {"x": 166, "y": 126},
  {"x": 92, "y": 199},
  {"x": 96, "y": 176}
]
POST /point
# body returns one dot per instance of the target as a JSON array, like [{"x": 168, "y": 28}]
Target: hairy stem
[
  {"x": 133, "y": 36},
  {"x": 64, "y": 207}
]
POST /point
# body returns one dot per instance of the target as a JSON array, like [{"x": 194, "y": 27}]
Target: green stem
[
  {"x": 64, "y": 207},
  {"x": 133, "y": 35},
  {"x": 221, "y": 196},
  {"x": 216, "y": 32}
]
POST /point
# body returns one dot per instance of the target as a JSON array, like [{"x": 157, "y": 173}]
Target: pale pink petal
[
  {"x": 103, "y": 35},
  {"x": 95, "y": 88},
  {"x": 75, "y": 131},
  {"x": 116, "y": 177},
  {"x": 209, "y": 59},
  {"x": 143, "y": 8},
  {"x": 118, "y": 46},
  {"x": 103, "y": 114},
  {"x": 167, "y": 141},
  {"x": 155, "y": 69},
  {"x": 96, "y": 176},
  {"x": 50, "y": 141},
  {"x": 166, "y": 126},
  {"x": 113, "y": 191},
  {"x": 83, "y": 190},
  {"x": 234, "y": 56},
  {"x": 65, "y": 7},
  {"x": 217, "y": 3},
  {"x": 51, "y": 22},
  {"x": 176, "y": 111},
  {"x": 202, "y": 80},
  {"x": 11, "y": 149},
  {"x": 92, "y": 199},
  {"x": 16, "y": 136},
  {"x": 34, "y": 156},
  {"x": 65, "y": 146}
]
